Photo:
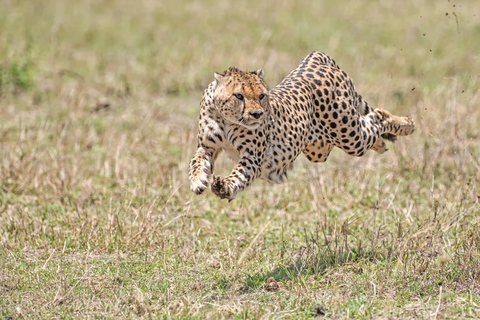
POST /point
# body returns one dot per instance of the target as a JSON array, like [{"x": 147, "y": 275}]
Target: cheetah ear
[
  {"x": 218, "y": 78},
  {"x": 260, "y": 73}
]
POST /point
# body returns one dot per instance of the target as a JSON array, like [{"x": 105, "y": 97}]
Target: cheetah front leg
[
  {"x": 200, "y": 170},
  {"x": 247, "y": 170}
]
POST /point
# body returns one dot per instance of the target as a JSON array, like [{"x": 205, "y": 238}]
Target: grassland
[{"x": 98, "y": 116}]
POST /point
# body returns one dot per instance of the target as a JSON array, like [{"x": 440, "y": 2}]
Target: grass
[{"x": 98, "y": 118}]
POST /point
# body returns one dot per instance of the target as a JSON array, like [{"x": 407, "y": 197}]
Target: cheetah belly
[{"x": 275, "y": 172}]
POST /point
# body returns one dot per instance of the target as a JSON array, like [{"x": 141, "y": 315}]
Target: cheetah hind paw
[
  {"x": 407, "y": 126},
  {"x": 380, "y": 146},
  {"x": 404, "y": 126},
  {"x": 390, "y": 137}
]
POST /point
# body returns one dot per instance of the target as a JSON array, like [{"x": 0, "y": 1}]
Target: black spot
[
  {"x": 333, "y": 125},
  {"x": 335, "y": 115},
  {"x": 219, "y": 136},
  {"x": 344, "y": 120}
]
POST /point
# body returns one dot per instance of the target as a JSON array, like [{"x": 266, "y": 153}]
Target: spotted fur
[{"x": 314, "y": 109}]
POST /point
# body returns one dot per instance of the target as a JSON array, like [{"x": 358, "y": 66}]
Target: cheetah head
[{"x": 242, "y": 97}]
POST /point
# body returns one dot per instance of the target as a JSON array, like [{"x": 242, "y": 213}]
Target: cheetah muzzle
[{"x": 314, "y": 109}]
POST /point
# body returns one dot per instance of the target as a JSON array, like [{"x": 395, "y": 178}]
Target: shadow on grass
[{"x": 321, "y": 252}]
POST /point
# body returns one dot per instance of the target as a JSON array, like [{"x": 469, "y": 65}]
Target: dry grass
[{"x": 98, "y": 109}]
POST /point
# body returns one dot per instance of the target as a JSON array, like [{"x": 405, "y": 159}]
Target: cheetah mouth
[{"x": 252, "y": 125}]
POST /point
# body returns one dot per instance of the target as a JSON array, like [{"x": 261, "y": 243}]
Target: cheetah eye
[
  {"x": 238, "y": 96},
  {"x": 261, "y": 96}
]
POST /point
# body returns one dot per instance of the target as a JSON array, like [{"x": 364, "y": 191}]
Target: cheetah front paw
[
  {"x": 199, "y": 180},
  {"x": 198, "y": 186},
  {"x": 221, "y": 189}
]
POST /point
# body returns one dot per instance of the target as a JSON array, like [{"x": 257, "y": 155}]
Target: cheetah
[{"x": 314, "y": 109}]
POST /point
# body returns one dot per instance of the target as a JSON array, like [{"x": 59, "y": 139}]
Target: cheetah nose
[{"x": 256, "y": 114}]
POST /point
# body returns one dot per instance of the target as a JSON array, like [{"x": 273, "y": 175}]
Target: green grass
[{"x": 99, "y": 103}]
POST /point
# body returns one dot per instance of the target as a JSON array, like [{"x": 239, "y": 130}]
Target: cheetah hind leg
[
  {"x": 380, "y": 146},
  {"x": 394, "y": 125},
  {"x": 318, "y": 151}
]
